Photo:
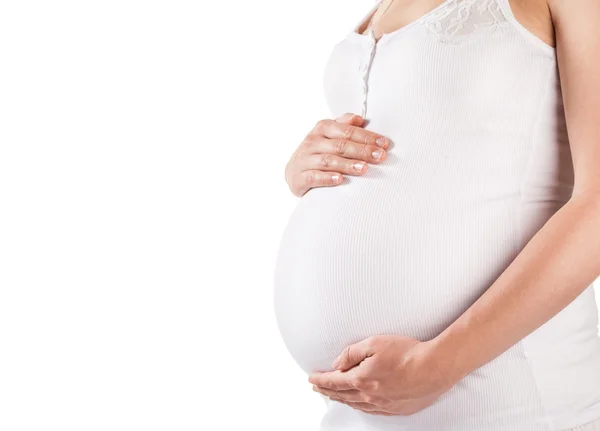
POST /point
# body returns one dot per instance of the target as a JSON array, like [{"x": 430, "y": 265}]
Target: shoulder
[
  {"x": 535, "y": 16},
  {"x": 578, "y": 48}
]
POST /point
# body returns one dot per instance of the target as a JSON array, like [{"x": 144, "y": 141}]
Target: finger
[
  {"x": 354, "y": 354},
  {"x": 365, "y": 407},
  {"x": 346, "y": 148},
  {"x": 382, "y": 413},
  {"x": 335, "y": 380},
  {"x": 347, "y": 395},
  {"x": 335, "y": 130},
  {"x": 332, "y": 162},
  {"x": 350, "y": 118},
  {"x": 314, "y": 178}
]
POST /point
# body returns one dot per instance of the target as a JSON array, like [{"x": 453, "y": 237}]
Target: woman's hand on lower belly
[{"x": 384, "y": 374}]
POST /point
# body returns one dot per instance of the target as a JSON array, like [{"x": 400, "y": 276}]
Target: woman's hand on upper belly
[
  {"x": 385, "y": 374},
  {"x": 332, "y": 148}
]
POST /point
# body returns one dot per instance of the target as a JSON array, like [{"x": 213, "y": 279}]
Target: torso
[
  {"x": 480, "y": 159},
  {"x": 534, "y": 15}
]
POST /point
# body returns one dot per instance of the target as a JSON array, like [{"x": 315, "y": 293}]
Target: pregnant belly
[{"x": 369, "y": 258}]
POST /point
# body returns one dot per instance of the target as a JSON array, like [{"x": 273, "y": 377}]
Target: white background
[{"x": 142, "y": 197}]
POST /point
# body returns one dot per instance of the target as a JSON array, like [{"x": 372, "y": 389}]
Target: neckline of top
[{"x": 355, "y": 35}]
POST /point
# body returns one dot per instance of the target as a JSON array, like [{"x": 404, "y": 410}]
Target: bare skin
[
  {"x": 532, "y": 14},
  {"x": 331, "y": 149},
  {"x": 396, "y": 375}
]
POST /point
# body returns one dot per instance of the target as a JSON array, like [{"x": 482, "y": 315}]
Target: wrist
[
  {"x": 431, "y": 366},
  {"x": 447, "y": 355}
]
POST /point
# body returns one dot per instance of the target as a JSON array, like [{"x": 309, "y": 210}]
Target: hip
[{"x": 517, "y": 391}]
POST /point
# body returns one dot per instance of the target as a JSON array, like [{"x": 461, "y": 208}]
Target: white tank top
[{"x": 479, "y": 161}]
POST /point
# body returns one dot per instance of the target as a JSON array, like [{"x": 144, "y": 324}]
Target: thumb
[
  {"x": 353, "y": 355},
  {"x": 350, "y": 118}
]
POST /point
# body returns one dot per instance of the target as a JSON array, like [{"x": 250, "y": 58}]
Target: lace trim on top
[{"x": 459, "y": 19}]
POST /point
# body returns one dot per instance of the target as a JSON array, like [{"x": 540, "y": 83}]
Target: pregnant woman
[{"x": 437, "y": 273}]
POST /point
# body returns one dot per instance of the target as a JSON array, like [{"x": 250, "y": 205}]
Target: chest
[
  {"x": 448, "y": 63},
  {"x": 390, "y": 15}
]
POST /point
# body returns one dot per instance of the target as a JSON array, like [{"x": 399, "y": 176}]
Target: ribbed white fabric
[{"x": 480, "y": 160}]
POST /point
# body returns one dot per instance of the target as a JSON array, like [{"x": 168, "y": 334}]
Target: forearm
[{"x": 556, "y": 265}]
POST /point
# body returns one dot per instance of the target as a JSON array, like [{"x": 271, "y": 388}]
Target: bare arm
[{"x": 563, "y": 257}]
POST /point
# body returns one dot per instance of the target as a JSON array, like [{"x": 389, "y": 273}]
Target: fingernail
[
  {"x": 381, "y": 141},
  {"x": 335, "y": 178},
  {"x": 358, "y": 166},
  {"x": 377, "y": 154},
  {"x": 336, "y": 362}
]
